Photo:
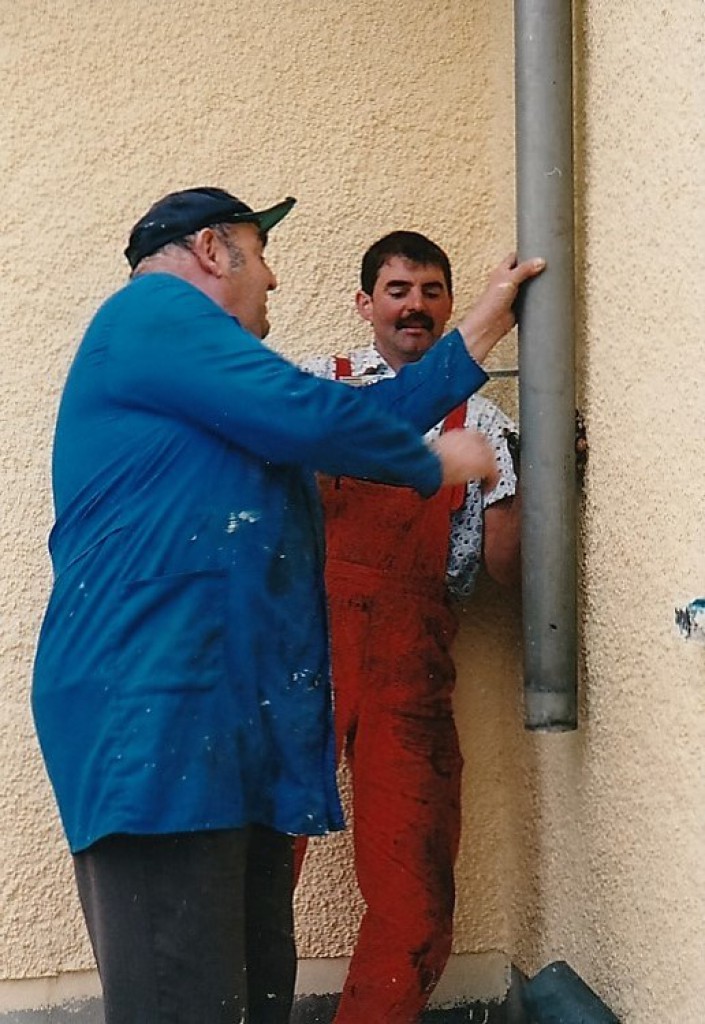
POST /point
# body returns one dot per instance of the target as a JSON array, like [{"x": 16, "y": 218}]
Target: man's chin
[{"x": 416, "y": 339}]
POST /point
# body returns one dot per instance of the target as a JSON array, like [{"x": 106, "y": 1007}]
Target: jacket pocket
[{"x": 170, "y": 633}]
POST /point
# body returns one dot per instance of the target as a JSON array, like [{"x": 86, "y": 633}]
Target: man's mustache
[{"x": 415, "y": 320}]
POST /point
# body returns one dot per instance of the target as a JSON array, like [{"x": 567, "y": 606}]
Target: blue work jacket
[{"x": 181, "y": 679}]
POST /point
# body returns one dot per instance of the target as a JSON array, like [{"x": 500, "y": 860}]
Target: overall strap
[
  {"x": 343, "y": 367},
  {"x": 456, "y": 418}
]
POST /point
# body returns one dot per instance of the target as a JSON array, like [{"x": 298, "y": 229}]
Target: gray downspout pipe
[{"x": 544, "y": 135}]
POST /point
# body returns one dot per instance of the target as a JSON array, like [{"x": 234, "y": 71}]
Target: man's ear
[
  {"x": 363, "y": 302},
  {"x": 208, "y": 251}
]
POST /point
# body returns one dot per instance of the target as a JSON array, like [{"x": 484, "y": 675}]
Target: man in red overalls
[{"x": 388, "y": 565}]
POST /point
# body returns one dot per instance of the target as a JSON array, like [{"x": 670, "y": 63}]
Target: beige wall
[
  {"x": 588, "y": 846},
  {"x": 618, "y": 845}
]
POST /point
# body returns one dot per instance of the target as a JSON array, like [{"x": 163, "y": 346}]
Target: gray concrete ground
[{"x": 307, "y": 1010}]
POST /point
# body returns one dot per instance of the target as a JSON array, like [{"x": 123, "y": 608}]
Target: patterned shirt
[{"x": 465, "y": 548}]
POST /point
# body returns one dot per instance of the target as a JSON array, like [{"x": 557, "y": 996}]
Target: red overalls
[{"x": 391, "y": 630}]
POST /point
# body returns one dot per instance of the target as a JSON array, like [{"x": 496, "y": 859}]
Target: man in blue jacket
[{"x": 181, "y": 688}]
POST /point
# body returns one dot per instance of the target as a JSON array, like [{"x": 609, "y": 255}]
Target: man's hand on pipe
[
  {"x": 492, "y": 316},
  {"x": 466, "y": 455}
]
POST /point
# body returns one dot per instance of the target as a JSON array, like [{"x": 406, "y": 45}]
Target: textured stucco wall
[
  {"x": 616, "y": 848},
  {"x": 375, "y": 116}
]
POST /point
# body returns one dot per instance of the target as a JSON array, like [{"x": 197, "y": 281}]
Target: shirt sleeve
[
  {"x": 176, "y": 352},
  {"x": 492, "y": 422},
  {"x": 465, "y": 548}
]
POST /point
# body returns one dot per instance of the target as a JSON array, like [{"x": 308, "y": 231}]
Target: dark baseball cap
[{"x": 182, "y": 213}]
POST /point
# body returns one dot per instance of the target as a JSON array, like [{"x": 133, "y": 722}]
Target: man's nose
[
  {"x": 272, "y": 282},
  {"x": 415, "y": 299}
]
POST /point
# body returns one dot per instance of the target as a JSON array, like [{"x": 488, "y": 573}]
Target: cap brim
[{"x": 266, "y": 219}]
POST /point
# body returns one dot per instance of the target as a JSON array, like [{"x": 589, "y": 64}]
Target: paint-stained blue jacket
[{"x": 181, "y": 679}]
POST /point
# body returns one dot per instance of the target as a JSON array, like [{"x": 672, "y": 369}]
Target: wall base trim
[
  {"x": 468, "y": 977},
  {"x": 474, "y": 987}
]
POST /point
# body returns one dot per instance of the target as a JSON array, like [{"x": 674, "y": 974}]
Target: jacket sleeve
[
  {"x": 176, "y": 353},
  {"x": 426, "y": 391}
]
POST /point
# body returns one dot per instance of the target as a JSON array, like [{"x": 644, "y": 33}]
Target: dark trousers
[{"x": 192, "y": 928}]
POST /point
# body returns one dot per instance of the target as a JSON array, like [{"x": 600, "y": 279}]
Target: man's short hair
[{"x": 411, "y": 246}]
